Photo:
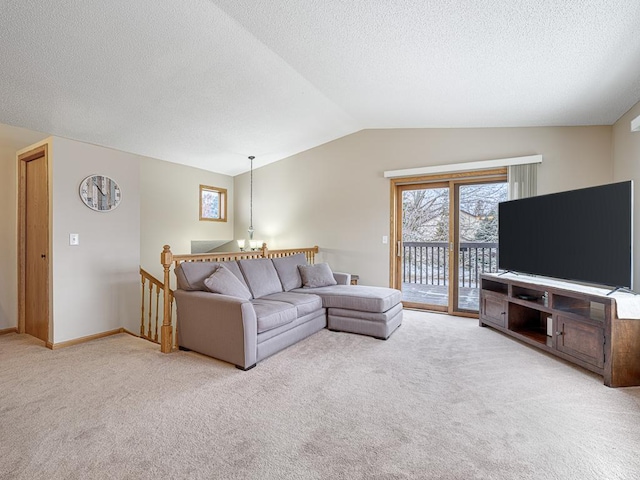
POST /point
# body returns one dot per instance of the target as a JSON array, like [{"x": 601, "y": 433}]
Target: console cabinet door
[
  {"x": 584, "y": 341},
  {"x": 493, "y": 309}
]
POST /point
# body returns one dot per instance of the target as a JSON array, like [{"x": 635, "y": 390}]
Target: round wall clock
[{"x": 100, "y": 193}]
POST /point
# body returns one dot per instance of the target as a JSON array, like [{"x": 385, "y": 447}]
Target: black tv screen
[{"x": 582, "y": 235}]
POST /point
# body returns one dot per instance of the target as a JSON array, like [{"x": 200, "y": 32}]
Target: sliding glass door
[
  {"x": 476, "y": 239},
  {"x": 446, "y": 236},
  {"x": 425, "y": 246}
]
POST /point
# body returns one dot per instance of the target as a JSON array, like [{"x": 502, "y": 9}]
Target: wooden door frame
[
  {"x": 35, "y": 154},
  {"x": 452, "y": 180},
  {"x": 400, "y": 188}
]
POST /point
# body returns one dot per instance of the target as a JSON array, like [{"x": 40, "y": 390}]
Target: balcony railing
[{"x": 427, "y": 263}]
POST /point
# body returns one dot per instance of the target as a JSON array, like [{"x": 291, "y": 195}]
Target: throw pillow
[
  {"x": 318, "y": 275},
  {"x": 226, "y": 283}
]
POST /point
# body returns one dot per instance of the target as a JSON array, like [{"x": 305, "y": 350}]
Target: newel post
[
  {"x": 166, "y": 258},
  {"x": 265, "y": 250}
]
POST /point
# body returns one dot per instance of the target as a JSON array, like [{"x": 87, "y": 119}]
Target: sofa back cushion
[
  {"x": 191, "y": 275},
  {"x": 261, "y": 276},
  {"x": 287, "y": 268},
  {"x": 226, "y": 283}
]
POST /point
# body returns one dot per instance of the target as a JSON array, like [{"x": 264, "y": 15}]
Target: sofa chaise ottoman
[{"x": 373, "y": 311}]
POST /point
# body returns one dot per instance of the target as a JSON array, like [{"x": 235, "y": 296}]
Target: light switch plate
[
  {"x": 385, "y": 239},
  {"x": 74, "y": 239}
]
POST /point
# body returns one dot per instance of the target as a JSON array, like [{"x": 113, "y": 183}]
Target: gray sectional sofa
[{"x": 246, "y": 310}]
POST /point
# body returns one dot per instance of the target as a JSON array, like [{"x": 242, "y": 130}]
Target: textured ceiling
[{"x": 207, "y": 83}]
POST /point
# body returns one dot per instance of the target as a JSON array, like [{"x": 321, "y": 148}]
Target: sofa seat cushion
[
  {"x": 191, "y": 275},
  {"x": 298, "y": 323},
  {"x": 305, "y": 303},
  {"x": 271, "y": 314},
  {"x": 356, "y": 297},
  {"x": 261, "y": 276},
  {"x": 380, "y": 317}
]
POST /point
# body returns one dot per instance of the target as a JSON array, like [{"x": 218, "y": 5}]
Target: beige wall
[
  {"x": 335, "y": 195},
  {"x": 8, "y": 244},
  {"x": 96, "y": 284},
  {"x": 626, "y": 166},
  {"x": 12, "y": 139},
  {"x": 169, "y": 215}
]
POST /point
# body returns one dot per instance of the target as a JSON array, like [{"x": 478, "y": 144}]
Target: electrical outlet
[{"x": 74, "y": 239}]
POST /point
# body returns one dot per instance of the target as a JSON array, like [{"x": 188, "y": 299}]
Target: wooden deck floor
[{"x": 469, "y": 298}]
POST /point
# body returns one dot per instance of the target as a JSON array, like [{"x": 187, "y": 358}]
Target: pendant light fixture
[{"x": 250, "y": 230}]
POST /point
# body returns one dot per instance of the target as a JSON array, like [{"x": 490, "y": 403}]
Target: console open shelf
[
  {"x": 579, "y": 327},
  {"x": 529, "y": 322}
]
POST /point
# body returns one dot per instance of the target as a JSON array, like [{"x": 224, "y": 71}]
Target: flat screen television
[{"x": 581, "y": 235}]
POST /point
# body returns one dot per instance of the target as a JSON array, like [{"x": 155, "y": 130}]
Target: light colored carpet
[{"x": 442, "y": 398}]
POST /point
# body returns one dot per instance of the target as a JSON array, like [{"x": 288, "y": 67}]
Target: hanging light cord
[{"x": 251, "y": 198}]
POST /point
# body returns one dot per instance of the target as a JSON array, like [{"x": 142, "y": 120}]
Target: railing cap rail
[{"x": 445, "y": 244}]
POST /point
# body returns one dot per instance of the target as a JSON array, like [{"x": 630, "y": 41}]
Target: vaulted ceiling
[{"x": 209, "y": 82}]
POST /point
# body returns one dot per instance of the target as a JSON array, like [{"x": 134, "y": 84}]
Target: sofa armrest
[
  {"x": 220, "y": 326},
  {"x": 342, "y": 278}
]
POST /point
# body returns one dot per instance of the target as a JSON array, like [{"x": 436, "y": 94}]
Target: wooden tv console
[{"x": 584, "y": 328}]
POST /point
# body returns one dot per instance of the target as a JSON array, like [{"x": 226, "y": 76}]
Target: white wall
[
  {"x": 12, "y": 139},
  {"x": 626, "y": 166},
  {"x": 169, "y": 210},
  {"x": 96, "y": 285},
  {"x": 335, "y": 195}
]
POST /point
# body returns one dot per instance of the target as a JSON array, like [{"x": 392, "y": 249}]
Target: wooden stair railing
[
  {"x": 167, "y": 258},
  {"x": 150, "y": 283}
]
